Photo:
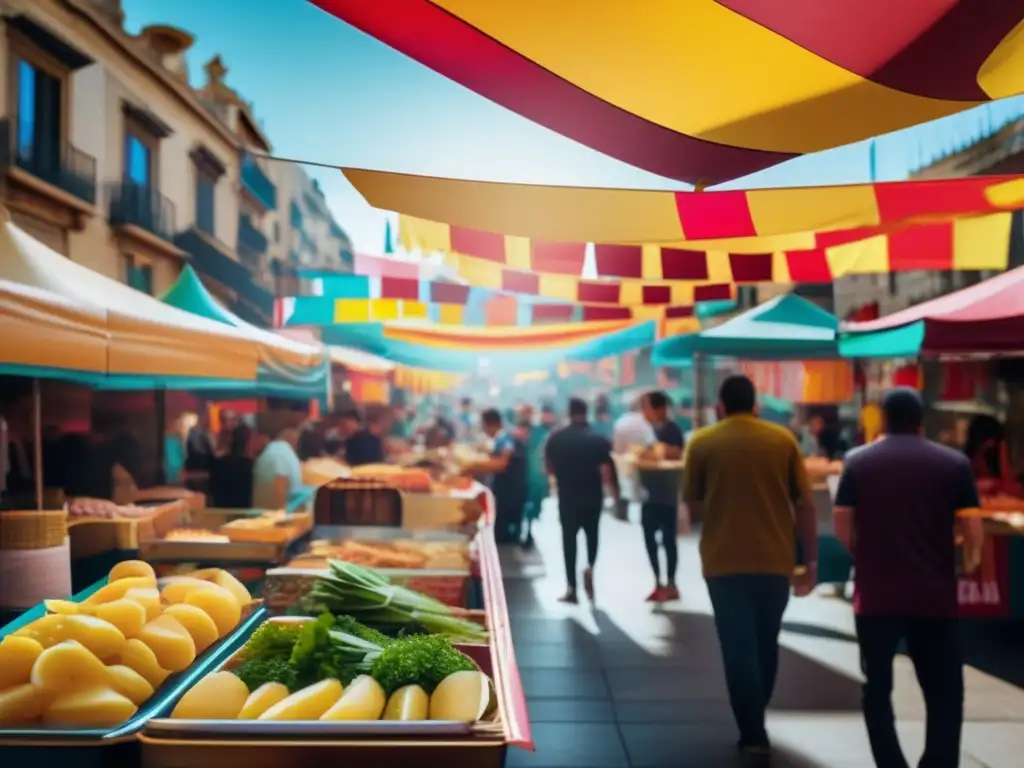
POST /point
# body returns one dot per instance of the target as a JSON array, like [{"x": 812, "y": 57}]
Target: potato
[
  {"x": 364, "y": 699},
  {"x": 148, "y": 598},
  {"x": 66, "y": 607},
  {"x": 219, "y": 604},
  {"x": 99, "y": 636},
  {"x": 17, "y": 656},
  {"x": 307, "y": 704},
  {"x": 115, "y": 590},
  {"x": 197, "y": 622},
  {"x": 89, "y": 708},
  {"x": 140, "y": 657},
  {"x": 21, "y": 704},
  {"x": 170, "y": 642},
  {"x": 262, "y": 699},
  {"x": 227, "y": 580},
  {"x": 129, "y": 684},
  {"x": 410, "y": 702},
  {"x": 220, "y": 696},
  {"x": 67, "y": 666},
  {"x": 130, "y": 569},
  {"x": 178, "y": 588},
  {"x": 463, "y": 697},
  {"x": 127, "y": 615}
]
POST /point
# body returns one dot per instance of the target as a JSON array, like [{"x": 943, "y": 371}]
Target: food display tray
[{"x": 14, "y": 741}]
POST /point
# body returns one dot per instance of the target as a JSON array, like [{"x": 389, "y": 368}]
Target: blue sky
[{"x": 327, "y": 93}]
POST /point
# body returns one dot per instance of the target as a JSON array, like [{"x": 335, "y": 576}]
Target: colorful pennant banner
[
  {"x": 659, "y": 272},
  {"x": 554, "y": 216},
  {"x": 708, "y": 90}
]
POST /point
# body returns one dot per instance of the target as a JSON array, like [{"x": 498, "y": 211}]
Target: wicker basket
[{"x": 30, "y": 529}]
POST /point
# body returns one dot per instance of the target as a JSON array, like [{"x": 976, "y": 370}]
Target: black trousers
[
  {"x": 663, "y": 518},
  {"x": 748, "y": 616},
  {"x": 933, "y": 645},
  {"x": 508, "y": 519},
  {"x": 573, "y": 520}
]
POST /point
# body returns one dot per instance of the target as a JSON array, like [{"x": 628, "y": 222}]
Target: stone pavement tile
[
  {"x": 651, "y": 684},
  {"x": 572, "y": 745},
  {"x": 564, "y": 684},
  {"x": 690, "y": 711},
  {"x": 699, "y": 745},
  {"x": 555, "y": 655},
  {"x": 551, "y": 630},
  {"x": 840, "y": 741},
  {"x": 571, "y": 710},
  {"x": 995, "y": 745}
]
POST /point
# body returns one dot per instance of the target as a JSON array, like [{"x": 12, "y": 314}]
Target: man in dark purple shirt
[{"x": 896, "y": 510}]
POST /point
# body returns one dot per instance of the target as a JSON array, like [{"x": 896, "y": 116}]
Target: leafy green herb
[
  {"x": 257, "y": 672},
  {"x": 350, "y": 626},
  {"x": 272, "y": 640},
  {"x": 423, "y": 660}
]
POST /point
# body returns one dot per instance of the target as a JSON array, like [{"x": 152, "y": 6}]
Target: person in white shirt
[
  {"x": 277, "y": 472},
  {"x": 631, "y": 429}
]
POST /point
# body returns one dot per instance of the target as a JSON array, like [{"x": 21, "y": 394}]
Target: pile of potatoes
[{"x": 92, "y": 664}]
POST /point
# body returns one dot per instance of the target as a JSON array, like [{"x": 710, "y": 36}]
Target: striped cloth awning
[
  {"x": 543, "y": 219},
  {"x": 708, "y": 90}
]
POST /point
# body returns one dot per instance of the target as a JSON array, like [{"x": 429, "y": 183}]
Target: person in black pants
[
  {"x": 896, "y": 510},
  {"x": 581, "y": 461},
  {"x": 660, "y": 510},
  {"x": 506, "y": 468}
]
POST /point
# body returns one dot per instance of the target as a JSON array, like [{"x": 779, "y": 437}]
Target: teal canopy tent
[
  {"x": 904, "y": 341},
  {"x": 287, "y": 369},
  {"x": 787, "y": 327}
]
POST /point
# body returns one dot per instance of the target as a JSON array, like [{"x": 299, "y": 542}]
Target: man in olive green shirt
[{"x": 746, "y": 478}]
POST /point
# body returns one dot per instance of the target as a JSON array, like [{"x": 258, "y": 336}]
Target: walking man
[
  {"x": 506, "y": 467},
  {"x": 661, "y": 487},
  {"x": 630, "y": 429},
  {"x": 747, "y": 478},
  {"x": 895, "y": 510},
  {"x": 581, "y": 461}
]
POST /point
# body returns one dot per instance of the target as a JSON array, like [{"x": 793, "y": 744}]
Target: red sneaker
[
  {"x": 657, "y": 595},
  {"x": 671, "y": 592}
]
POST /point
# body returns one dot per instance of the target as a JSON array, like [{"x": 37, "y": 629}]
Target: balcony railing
[
  {"x": 258, "y": 183},
  {"x": 213, "y": 262},
  {"x": 143, "y": 207},
  {"x": 252, "y": 243},
  {"x": 61, "y": 165}
]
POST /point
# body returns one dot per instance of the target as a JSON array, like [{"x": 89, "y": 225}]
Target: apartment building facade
[{"x": 109, "y": 156}]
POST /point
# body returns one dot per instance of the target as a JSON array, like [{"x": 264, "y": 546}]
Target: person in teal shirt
[{"x": 537, "y": 483}]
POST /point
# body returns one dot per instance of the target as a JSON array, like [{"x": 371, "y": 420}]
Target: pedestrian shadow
[
  {"x": 813, "y": 630},
  {"x": 603, "y": 694}
]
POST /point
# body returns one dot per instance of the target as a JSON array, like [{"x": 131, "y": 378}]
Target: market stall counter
[
  {"x": 447, "y": 695},
  {"x": 80, "y": 677}
]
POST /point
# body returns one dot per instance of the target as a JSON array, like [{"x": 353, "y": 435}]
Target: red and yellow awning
[
  {"x": 708, "y": 90},
  {"x": 498, "y": 339},
  {"x": 542, "y": 220}
]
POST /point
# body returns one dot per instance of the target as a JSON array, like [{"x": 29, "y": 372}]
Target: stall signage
[{"x": 986, "y": 592}]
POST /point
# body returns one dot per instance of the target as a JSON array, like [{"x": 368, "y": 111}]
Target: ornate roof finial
[{"x": 215, "y": 70}]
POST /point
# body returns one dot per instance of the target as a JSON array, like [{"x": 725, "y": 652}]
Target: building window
[
  {"x": 138, "y": 276},
  {"x": 138, "y": 160},
  {"x": 205, "y": 200},
  {"x": 39, "y": 116}
]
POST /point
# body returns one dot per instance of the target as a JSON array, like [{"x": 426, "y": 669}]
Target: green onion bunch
[{"x": 373, "y": 600}]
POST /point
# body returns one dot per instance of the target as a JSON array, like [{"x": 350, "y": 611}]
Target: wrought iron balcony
[
  {"x": 257, "y": 183},
  {"x": 143, "y": 207},
  {"x": 60, "y": 165},
  {"x": 252, "y": 243}
]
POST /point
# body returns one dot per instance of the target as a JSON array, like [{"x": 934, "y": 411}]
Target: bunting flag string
[
  {"x": 708, "y": 90},
  {"x": 646, "y": 271}
]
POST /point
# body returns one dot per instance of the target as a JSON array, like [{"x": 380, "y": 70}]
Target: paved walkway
[{"x": 623, "y": 683}]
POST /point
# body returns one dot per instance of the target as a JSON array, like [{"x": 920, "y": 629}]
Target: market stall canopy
[
  {"x": 357, "y": 360},
  {"x": 984, "y": 318},
  {"x": 787, "y": 327},
  {"x": 148, "y": 339},
  {"x": 285, "y": 365},
  {"x": 708, "y": 90},
  {"x": 482, "y": 215},
  {"x": 49, "y": 335}
]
